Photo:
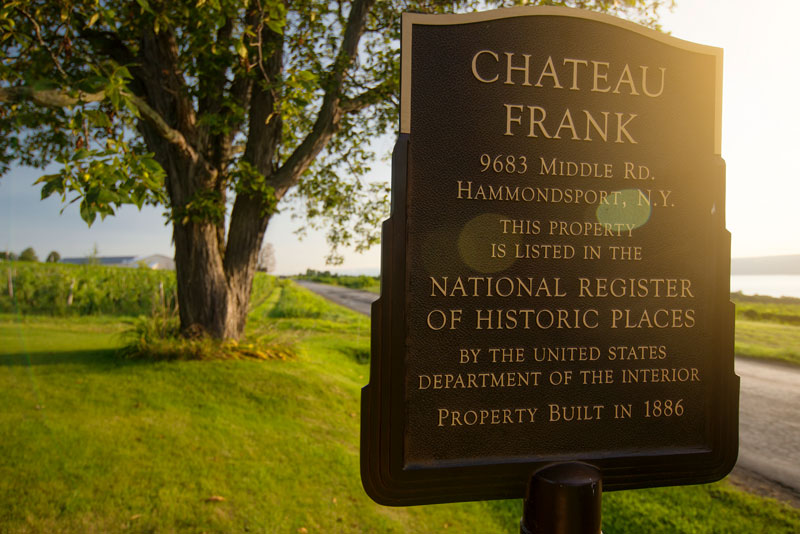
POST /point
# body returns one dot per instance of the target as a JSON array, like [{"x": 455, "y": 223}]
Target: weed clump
[{"x": 159, "y": 338}]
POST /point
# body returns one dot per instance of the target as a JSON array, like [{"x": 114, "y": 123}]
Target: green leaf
[
  {"x": 87, "y": 213},
  {"x": 275, "y": 25},
  {"x": 107, "y": 197},
  {"x": 98, "y": 118},
  {"x": 53, "y": 186},
  {"x": 145, "y": 6},
  {"x": 45, "y": 178},
  {"x": 241, "y": 49}
]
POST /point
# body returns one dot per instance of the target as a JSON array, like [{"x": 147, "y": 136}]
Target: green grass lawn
[
  {"x": 91, "y": 442},
  {"x": 375, "y": 288},
  {"x": 767, "y": 327},
  {"x": 775, "y": 341},
  {"x": 785, "y": 310}
]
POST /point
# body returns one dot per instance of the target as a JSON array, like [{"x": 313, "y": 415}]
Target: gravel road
[{"x": 769, "y": 413}]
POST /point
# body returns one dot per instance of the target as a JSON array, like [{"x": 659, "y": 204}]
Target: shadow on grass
[{"x": 97, "y": 359}]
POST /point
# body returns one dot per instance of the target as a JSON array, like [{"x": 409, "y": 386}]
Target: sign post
[
  {"x": 563, "y": 498},
  {"x": 555, "y": 269}
]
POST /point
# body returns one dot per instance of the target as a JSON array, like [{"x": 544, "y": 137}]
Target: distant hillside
[{"x": 767, "y": 265}]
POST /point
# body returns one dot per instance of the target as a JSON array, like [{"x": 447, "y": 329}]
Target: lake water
[{"x": 776, "y": 285}]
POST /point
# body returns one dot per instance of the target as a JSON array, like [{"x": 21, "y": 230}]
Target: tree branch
[
  {"x": 110, "y": 45},
  {"x": 368, "y": 98},
  {"x": 211, "y": 102},
  {"x": 54, "y": 98},
  {"x": 39, "y": 38},
  {"x": 164, "y": 87},
  {"x": 264, "y": 121},
  {"x": 251, "y": 212},
  {"x": 330, "y": 112},
  {"x": 170, "y": 134},
  {"x": 61, "y": 99},
  {"x": 210, "y": 87}
]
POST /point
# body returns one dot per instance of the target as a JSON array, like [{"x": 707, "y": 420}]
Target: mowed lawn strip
[
  {"x": 767, "y": 340},
  {"x": 767, "y": 327},
  {"x": 95, "y": 443}
]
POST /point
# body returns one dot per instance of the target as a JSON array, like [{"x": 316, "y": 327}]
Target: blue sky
[{"x": 760, "y": 116}]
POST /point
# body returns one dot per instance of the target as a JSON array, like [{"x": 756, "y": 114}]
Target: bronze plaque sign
[{"x": 556, "y": 264}]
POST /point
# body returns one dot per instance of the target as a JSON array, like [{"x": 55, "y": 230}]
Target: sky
[{"x": 759, "y": 144}]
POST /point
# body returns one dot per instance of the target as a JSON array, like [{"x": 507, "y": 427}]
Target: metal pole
[{"x": 563, "y": 499}]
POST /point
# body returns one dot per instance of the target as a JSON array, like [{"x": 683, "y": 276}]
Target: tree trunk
[
  {"x": 202, "y": 288},
  {"x": 214, "y": 294},
  {"x": 205, "y": 298},
  {"x": 247, "y": 227}
]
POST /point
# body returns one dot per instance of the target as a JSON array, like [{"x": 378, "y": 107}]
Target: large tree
[{"x": 215, "y": 109}]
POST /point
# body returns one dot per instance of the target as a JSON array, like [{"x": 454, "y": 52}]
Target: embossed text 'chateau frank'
[{"x": 556, "y": 264}]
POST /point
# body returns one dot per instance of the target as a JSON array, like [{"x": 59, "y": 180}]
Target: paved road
[
  {"x": 769, "y": 422},
  {"x": 355, "y": 299},
  {"x": 769, "y": 412}
]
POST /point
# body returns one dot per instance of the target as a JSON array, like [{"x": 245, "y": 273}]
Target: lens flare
[
  {"x": 631, "y": 207},
  {"x": 483, "y": 246}
]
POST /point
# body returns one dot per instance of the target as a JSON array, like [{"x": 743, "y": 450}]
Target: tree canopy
[
  {"x": 218, "y": 110},
  {"x": 28, "y": 255}
]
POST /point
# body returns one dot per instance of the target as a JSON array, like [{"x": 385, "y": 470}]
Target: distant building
[
  {"x": 153, "y": 261},
  {"x": 116, "y": 261}
]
